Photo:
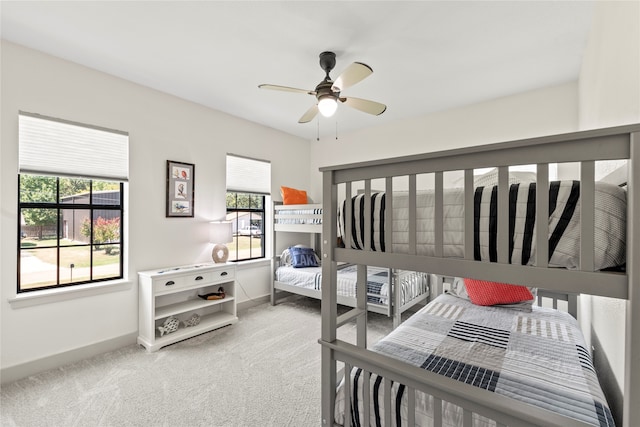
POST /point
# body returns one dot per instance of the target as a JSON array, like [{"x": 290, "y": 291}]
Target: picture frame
[{"x": 180, "y": 189}]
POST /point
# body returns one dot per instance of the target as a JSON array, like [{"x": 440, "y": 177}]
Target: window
[
  {"x": 246, "y": 213},
  {"x": 248, "y": 189},
  {"x": 70, "y": 200},
  {"x": 70, "y": 231}
]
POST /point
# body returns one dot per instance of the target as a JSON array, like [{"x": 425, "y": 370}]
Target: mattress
[
  {"x": 412, "y": 285},
  {"x": 564, "y": 223},
  {"x": 538, "y": 357}
]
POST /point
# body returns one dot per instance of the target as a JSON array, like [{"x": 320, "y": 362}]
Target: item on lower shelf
[
  {"x": 193, "y": 320},
  {"x": 214, "y": 295},
  {"x": 170, "y": 325}
]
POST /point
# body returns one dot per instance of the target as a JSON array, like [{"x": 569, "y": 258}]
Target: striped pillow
[{"x": 482, "y": 292}]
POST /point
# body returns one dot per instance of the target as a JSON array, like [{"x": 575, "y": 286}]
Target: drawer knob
[
  {"x": 199, "y": 278},
  {"x": 224, "y": 273},
  {"x": 169, "y": 283}
]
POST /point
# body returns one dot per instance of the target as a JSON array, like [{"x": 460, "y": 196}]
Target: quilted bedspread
[
  {"x": 311, "y": 277},
  {"x": 537, "y": 357},
  {"x": 412, "y": 284}
]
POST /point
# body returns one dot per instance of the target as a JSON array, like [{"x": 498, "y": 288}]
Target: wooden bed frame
[
  {"x": 584, "y": 147},
  {"x": 299, "y": 219}
]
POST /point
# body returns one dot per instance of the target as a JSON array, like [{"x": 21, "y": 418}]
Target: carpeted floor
[{"x": 262, "y": 371}]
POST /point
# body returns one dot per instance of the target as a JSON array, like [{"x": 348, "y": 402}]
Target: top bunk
[
  {"x": 302, "y": 218},
  {"x": 417, "y": 241}
]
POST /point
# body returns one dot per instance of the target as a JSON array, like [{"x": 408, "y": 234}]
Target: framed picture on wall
[{"x": 180, "y": 189}]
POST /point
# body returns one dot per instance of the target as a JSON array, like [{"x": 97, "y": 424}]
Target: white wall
[
  {"x": 610, "y": 77},
  {"x": 161, "y": 128},
  {"x": 610, "y": 96},
  {"x": 541, "y": 112}
]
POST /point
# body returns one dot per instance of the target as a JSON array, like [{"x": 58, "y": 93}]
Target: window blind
[
  {"x": 63, "y": 148},
  {"x": 245, "y": 175}
]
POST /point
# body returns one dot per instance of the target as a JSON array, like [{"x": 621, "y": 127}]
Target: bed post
[
  {"x": 329, "y": 296},
  {"x": 274, "y": 256},
  {"x": 631, "y": 413},
  {"x": 361, "y": 287}
]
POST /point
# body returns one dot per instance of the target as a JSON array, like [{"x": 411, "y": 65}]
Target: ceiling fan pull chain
[
  {"x": 318, "y": 134},
  {"x": 336, "y": 129}
]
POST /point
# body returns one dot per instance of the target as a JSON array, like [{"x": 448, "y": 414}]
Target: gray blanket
[{"x": 537, "y": 357}]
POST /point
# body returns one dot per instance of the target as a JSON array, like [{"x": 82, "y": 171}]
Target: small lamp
[{"x": 220, "y": 232}]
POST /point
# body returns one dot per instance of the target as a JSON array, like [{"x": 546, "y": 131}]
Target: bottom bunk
[
  {"x": 413, "y": 287},
  {"x": 536, "y": 356}
]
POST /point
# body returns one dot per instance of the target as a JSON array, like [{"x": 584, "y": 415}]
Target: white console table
[{"x": 173, "y": 291}]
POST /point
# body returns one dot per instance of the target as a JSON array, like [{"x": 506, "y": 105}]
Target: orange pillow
[
  {"x": 291, "y": 196},
  {"x": 482, "y": 292}
]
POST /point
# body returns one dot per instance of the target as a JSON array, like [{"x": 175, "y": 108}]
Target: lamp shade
[{"x": 220, "y": 232}]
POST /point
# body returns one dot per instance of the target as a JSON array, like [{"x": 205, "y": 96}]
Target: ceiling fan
[{"x": 328, "y": 91}]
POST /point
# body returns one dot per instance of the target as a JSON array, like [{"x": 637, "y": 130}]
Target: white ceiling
[{"x": 426, "y": 55}]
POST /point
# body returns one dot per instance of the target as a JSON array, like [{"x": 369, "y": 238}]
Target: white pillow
[
  {"x": 490, "y": 178},
  {"x": 458, "y": 289},
  {"x": 618, "y": 176}
]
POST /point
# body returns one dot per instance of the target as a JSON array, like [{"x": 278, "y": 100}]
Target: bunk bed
[
  {"x": 394, "y": 382},
  {"x": 389, "y": 291}
]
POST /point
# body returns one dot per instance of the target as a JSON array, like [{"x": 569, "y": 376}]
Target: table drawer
[
  {"x": 170, "y": 284},
  {"x": 225, "y": 275}
]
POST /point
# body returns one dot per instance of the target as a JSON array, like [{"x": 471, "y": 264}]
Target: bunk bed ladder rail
[{"x": 631, "y": 412}]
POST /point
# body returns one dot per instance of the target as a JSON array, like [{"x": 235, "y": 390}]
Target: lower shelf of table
[
  {"x": 207, "y": 323},
  {"x": 189, "y": 305}
]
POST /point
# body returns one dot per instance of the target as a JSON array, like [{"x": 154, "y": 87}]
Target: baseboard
[
  {"x": 23, "y": 370},
  {"x": 244, "y": 305}
]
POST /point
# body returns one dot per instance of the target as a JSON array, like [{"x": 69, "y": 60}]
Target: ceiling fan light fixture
[
  {"x": 327, "y": 105},
  {"x": 328, "y": 92}
]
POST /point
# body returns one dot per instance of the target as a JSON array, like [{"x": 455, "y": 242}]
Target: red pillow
[
  {"x": 292, "y": 196},
  {"x": 482, "y": 292}
]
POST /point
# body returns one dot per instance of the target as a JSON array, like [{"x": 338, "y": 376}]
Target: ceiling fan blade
[
  {"x": 365, "y": 105},
  {"x": 351, "y": 75},
  {"x": 287, "y": 89},
  {"x": 309, "y": 115}
]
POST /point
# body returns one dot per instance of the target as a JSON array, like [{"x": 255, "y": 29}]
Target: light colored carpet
[{"x": 262, "y": 371}]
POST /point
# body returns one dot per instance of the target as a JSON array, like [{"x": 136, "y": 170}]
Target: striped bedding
[
  {"x": 564, "y": 226},
  {"x": 299, "y": 216},
  {"x": 537, "y": 357},
  {"x": 412, "y": 285}
]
